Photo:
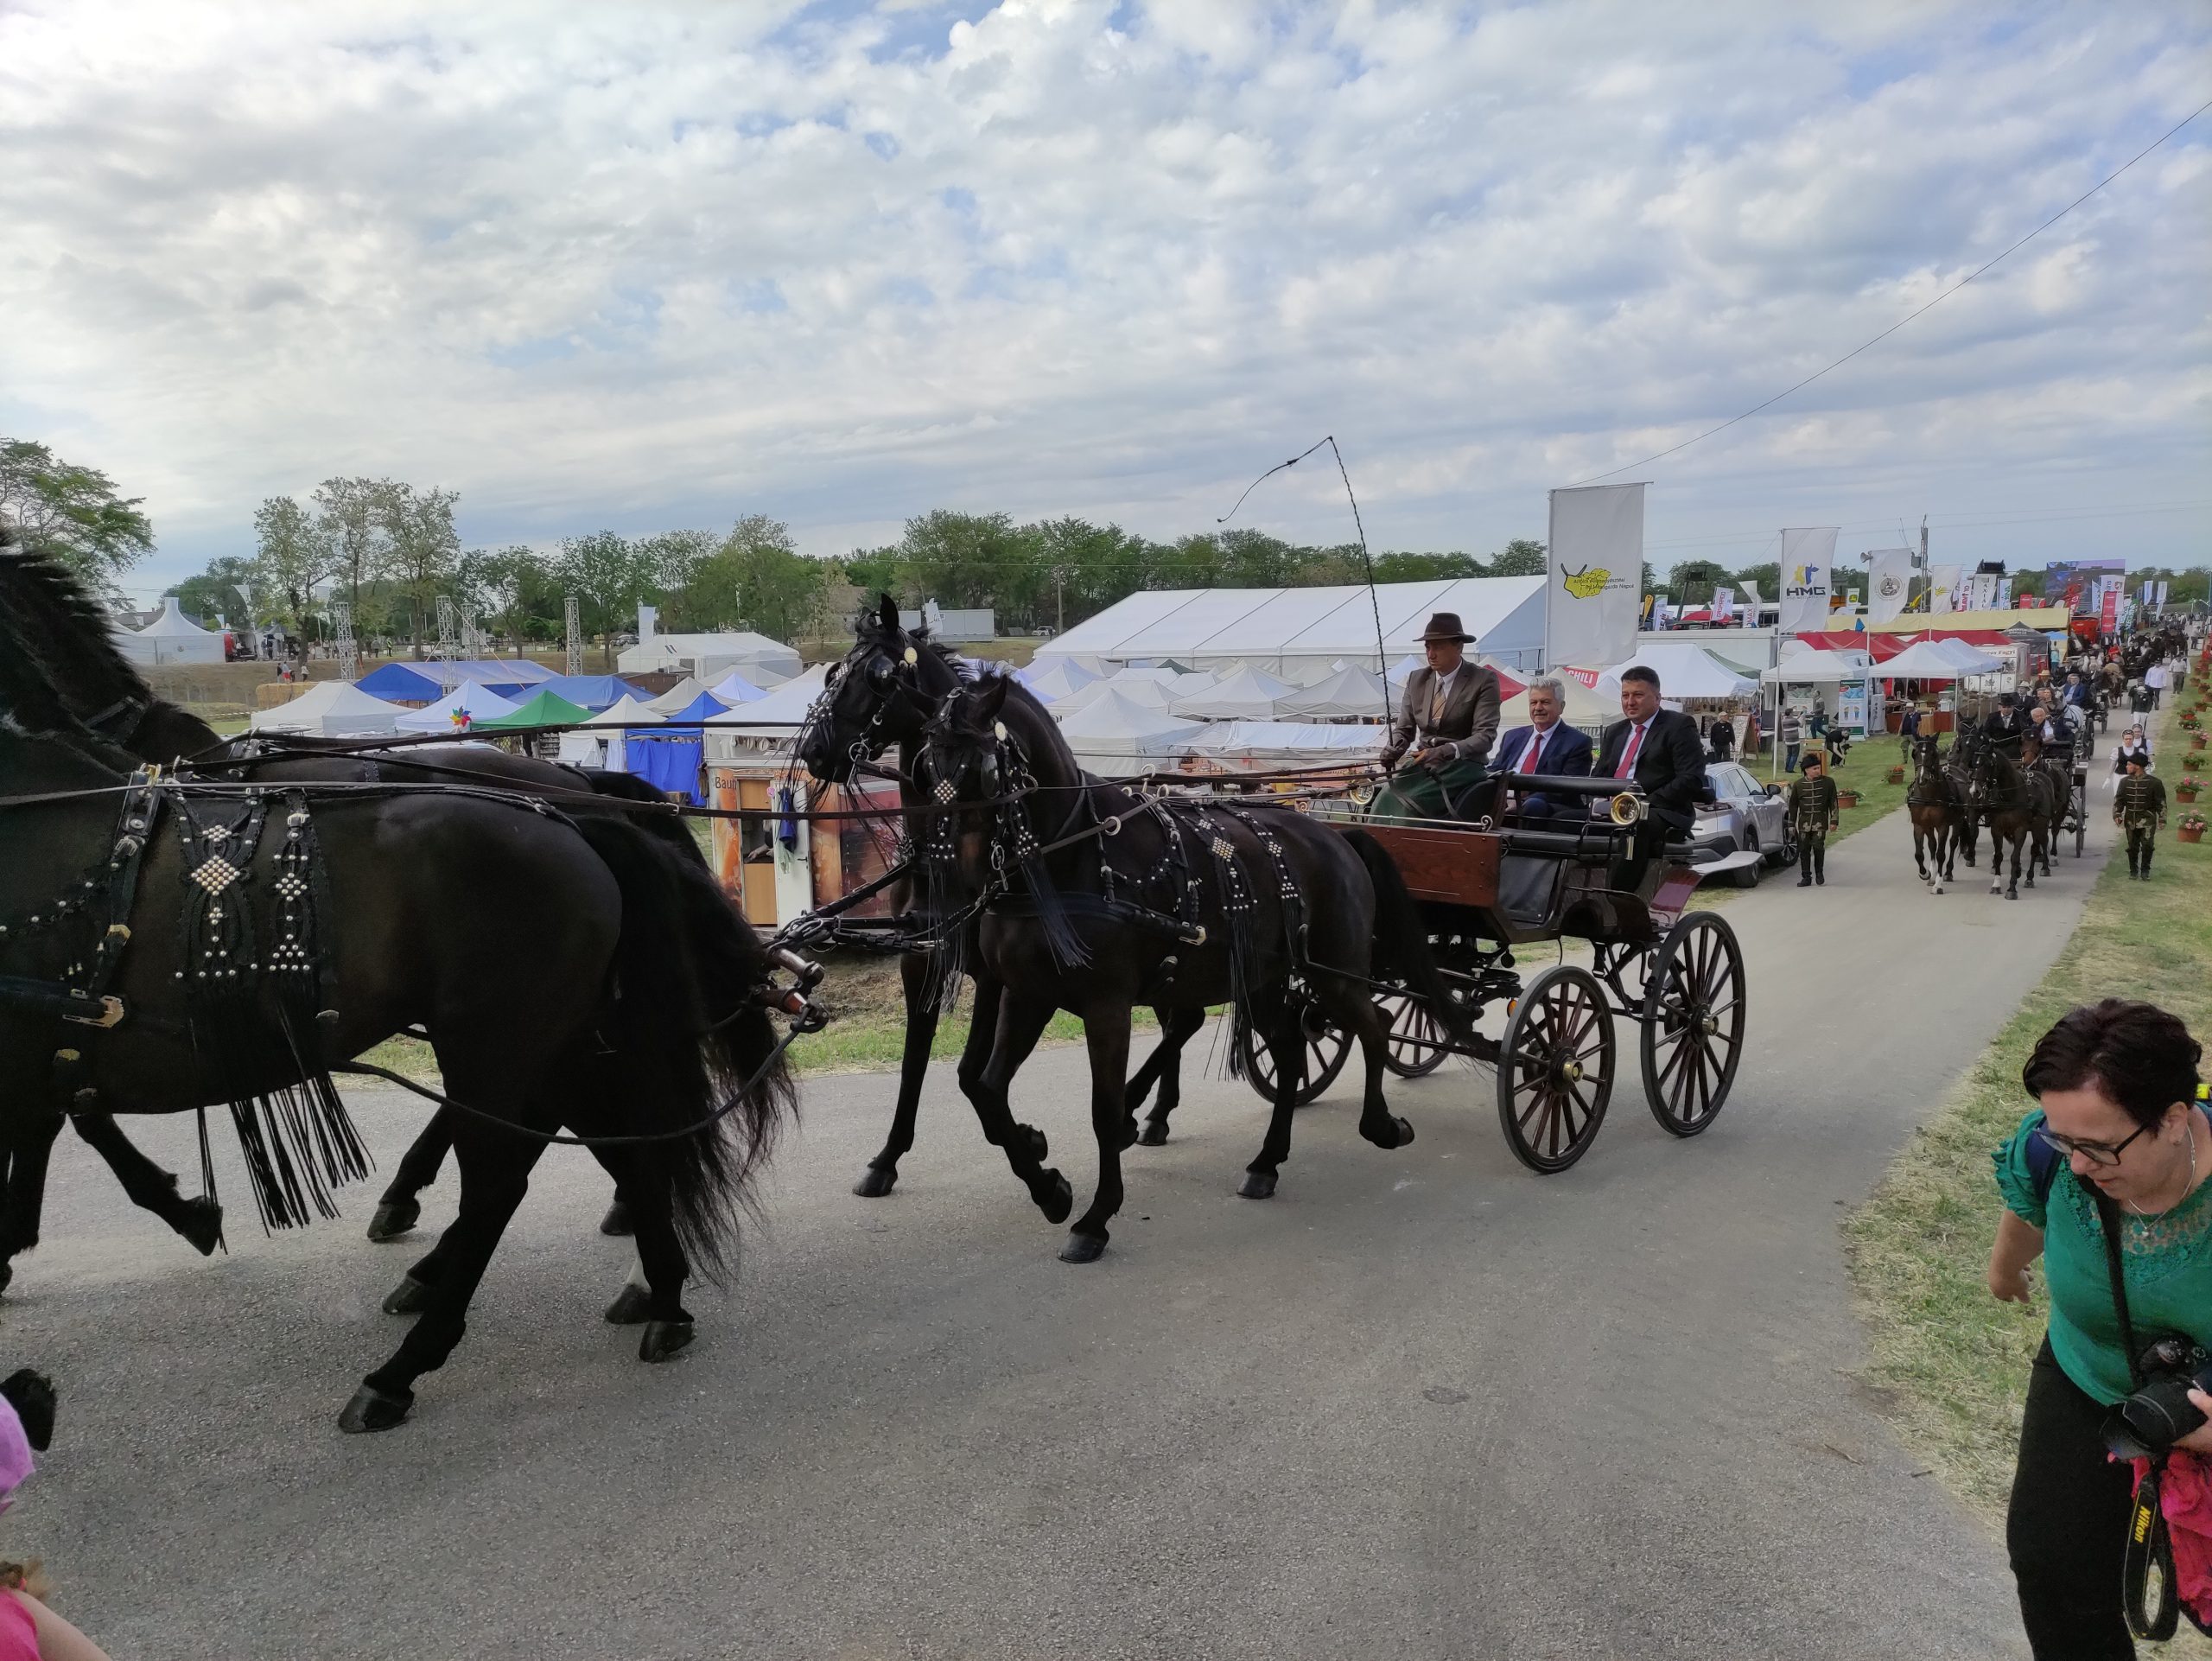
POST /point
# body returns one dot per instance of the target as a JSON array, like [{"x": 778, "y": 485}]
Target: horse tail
[
  {"x": 688, "y": 1037},
  {"x": 665, "y": 827},
  {"x": 1401, "y": 938}
]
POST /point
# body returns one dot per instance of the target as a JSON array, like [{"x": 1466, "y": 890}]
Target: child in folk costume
[
  {"x": 2139, "y": 807},
  {"x": 1812, "y": 810}
]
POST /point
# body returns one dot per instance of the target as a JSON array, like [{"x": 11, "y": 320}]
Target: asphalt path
[{"x": 1422, "y": 1404}]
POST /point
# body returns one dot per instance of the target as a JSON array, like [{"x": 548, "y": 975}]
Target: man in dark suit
[
  {"x": 1656, "y": 749},
  {"x": 1546, "y": 745},
  {"x": 1449, "y": 723}
]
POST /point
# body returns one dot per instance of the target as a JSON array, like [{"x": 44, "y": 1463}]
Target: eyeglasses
[{"x": 2097, "y": 1152}]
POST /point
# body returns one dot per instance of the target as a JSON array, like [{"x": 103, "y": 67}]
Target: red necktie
[
  {"x": 1528, "y": 756},
  {"x": 1627, "y": 769}
]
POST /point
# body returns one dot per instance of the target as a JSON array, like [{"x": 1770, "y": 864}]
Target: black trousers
[
  {"x": 2067, "y": 1527},
  {"x": 2139, "y": 843},
  {"x": 1812, "y": 853}
]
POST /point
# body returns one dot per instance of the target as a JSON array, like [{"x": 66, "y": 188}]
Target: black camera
[{"x": 2156, "y": 1417}]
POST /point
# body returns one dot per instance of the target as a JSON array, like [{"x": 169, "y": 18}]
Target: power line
[{"x": 1909, "y": 315}]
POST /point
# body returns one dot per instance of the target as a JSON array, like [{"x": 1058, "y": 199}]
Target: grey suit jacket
[{"x": 1470, "y": 718}]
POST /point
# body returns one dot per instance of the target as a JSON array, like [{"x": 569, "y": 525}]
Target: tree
[
  {"x": 292, "y": 554},
  {"x": 514, "y": 590},
  {"x": 1522, "y": 558},
  {"x": 73, "y": 510},
  {"x": 694, "y": 594},
  {"x": 1398, "y": 567},
  {"x": 608, "y": 576},
  {"x": 1767, "y": 579},
  {"x": 1694, "y": 580},
  {"x": 421, "y": 547},
  {"x": 229, "y": 587},
  {"x": 349, "y": 517}
]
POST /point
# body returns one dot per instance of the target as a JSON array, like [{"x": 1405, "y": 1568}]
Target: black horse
[
  {"x": 1933, "y": 810},
  {"x": 1093, "y": 900},
  {"x": 1958, "y": 776},
  {"x": 2015, "y": 804},
  {"x": 880, "y": 696},
  {"x": 70, "y": 643},
  {"x": 568, "y": 971}
]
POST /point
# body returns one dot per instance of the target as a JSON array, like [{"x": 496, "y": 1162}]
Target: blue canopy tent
[
  {"x": 592, "y": 692},
  {"x": 705, "y": 707},
  {"x": 396, "y": 684},
  {"x": 666, "y": 760}
]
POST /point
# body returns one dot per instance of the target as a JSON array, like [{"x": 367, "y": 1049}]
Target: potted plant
[
  {"x": 1897, "y": 775},
  {"x": 2197, "y": 740},
  {"x": 1846, "y": 799},
  {"x": 2187, "y": 789},
  {"x": 2192, "y": 827}
]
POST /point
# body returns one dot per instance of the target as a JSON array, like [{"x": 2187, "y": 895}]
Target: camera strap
[{"x": 2147, "y": 1593}]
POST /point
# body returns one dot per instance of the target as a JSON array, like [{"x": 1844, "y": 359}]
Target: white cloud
[{"x": 664, "y": 264}]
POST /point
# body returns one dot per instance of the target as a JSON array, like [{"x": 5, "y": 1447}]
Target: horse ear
[
  {"x": 888, "y": 614},
  {"x": 992, "y": 699}
]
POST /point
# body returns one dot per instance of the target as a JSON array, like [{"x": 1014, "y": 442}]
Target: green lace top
[{"x": 2167, "y": 1260}]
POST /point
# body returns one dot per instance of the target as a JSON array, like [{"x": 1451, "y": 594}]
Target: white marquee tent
[
  {"x": 680, "y": 696},
  {"x": 1320, "y": 741},
  {"x": 777, "y": 715},
  {"x": 469, "y": 700},
  {"x": 1112, "y": 734},
  {"x": 1939, "y": 660},
  {"x": 1285, "y": 631},
  {"x": 1684, "y": 672},
  {"x": 627, "y": 711},
  {"x": 732, "y": 688},
  {"x": 1350, "y": 692},
  {"x": 1820, "y": 667},
  {"x": 1243, "y": 694},
  {"x": 332, "y": 708},
  {"x": 760, "y": 659},
  {"x": 170, "y": 638}
]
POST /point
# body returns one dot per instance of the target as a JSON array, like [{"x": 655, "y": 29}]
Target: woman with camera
[{"x": 2122, "y": 1143}]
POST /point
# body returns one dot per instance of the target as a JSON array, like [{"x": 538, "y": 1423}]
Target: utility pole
[
  {"x": 1060, "y": 600},
  {"x": 573, "y": 617}
]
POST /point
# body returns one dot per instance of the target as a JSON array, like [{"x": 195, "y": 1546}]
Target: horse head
[{"x": 882, "y": 692}]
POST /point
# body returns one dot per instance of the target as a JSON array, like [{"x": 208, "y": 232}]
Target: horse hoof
[
  {"x": 876, "y": 1181},
  {"x": 617, "y": 1221},
  {"x": 1059, "y": 1200},
  {"x": 663, "y": 1339},
  {"x": 408, "y": 1298},
  {"x": 1258, "y": 1184},
  {"x": 202, "y": 1225},
  {"x": 629, "y": 1306},
  {"x": 1039, "y": 1146},
  {"x": 1083, "y": 1249},
  {"x": 1405, "y": 1133},
  {"x": 393, "y": 1219},
  {"x": 1130, "y": 1132},
  {"x": 373, "y": 1410},
  {"x": 1155, "y": 1134}
]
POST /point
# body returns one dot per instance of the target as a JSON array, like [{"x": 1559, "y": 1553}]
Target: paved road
[{"x": 1422, "y": 1404}]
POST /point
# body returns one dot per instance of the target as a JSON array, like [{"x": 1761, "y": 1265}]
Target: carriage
[{"x": 1489, "y": 890}]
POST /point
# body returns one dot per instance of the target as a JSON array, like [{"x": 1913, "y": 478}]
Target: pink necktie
[{"x": 1627, "y": 769}]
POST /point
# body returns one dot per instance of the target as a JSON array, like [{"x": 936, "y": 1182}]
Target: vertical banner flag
[
  {"x": 1889, "y": 580},
  {"x": 1984, "y": 594},
  {"x": 1751, "y": 603},
  {"x": 2110, "y": 616},
  {"x": 1942, "y": 583},
  {"x": 1807, "y": 563},
  {"x": 2005, "y": 594},
  {"x": 1724, "y": 605},
  {"x": 2162, "y": 590},
  {"x": 1594, "y": 576}
]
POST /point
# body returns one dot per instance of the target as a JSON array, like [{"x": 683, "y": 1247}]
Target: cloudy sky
[{"x": 641, "y": 265}]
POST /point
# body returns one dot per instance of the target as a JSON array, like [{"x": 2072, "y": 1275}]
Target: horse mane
[
  {"x": 71, "y": 620},
  {"x": 868, "y": 630}
]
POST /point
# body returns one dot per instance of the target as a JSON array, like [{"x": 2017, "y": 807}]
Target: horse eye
[{"x": 879, "y": 671}]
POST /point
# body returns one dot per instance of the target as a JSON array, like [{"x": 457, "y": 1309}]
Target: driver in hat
[{"x": 1445, "y": 727}]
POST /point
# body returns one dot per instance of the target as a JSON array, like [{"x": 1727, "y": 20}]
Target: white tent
[
  {"x": 778, "y": 714},
  {"x": 1351, "y": 691},
  {"x": 170, "y": 638},
  {"x": 1056, "y": 681},
  {"x": 1274, "y": 738},
  {"x": 1402, "y": 671},
  {"x": 331, "y": 708},
  {"x": 1112, "y": 734},
  {"x": 732, "y": 688},
  {"x": 458, "y": 710},
  {"x": 1684, "y": 672},
  {"x": 629, "y": 711},
  {"x": 1152, "y": 694},
  {"x": 1820, "y": 667},
  {"x": 678, "y": 696},
  {"x": 1938, "y": 660},
  {"x": 760, "y": 659},
  {"x": 1244, "y": 694},
  {"x": 1279, "y": 629}
]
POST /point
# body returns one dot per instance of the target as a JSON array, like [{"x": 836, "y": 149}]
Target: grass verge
[{"x": 1953, "y": 1360}]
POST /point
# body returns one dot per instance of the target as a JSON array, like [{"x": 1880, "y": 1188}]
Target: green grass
[{"x": 1952, "y": 1359}]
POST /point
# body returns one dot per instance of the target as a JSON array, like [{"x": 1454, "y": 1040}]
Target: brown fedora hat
[{"x": 1445, "y": 626}]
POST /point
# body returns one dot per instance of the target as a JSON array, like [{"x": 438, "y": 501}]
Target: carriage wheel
[
  {"x": 1693, "y": 1023},
  {"x": 1327, "y": 1047},
  {"x": 1555, "y": 1069},
  {"x": 1417, "y": 1038}
]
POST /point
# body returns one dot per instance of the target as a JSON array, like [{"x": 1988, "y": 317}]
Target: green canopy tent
[{"x": 546, "y": 709}]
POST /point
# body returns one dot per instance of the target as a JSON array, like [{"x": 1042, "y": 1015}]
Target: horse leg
[
  {"x": 1020, "y": 1023},
  {"x": 1106, "y": 1035},
  {"x": 1996, "y": 861},
  {"x": 1940, "y": 838},
  {"x": 1920, "y": 851},
  {"x": 198, "y": 1219},
  {"x": 1177, "y": 1027},
  {"x": 1363, "y": 1021},
  {"x": 495, "y": 1166},
  {"x": 2020, "y": 839},
  {"x": 1279, "y": 1018},
  {"x": 915, "y": 980},
  {"x": 653, "y": 1296},
  {"x": 23, "y": 1197},
  {"x": 398, "y": 1208}
]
